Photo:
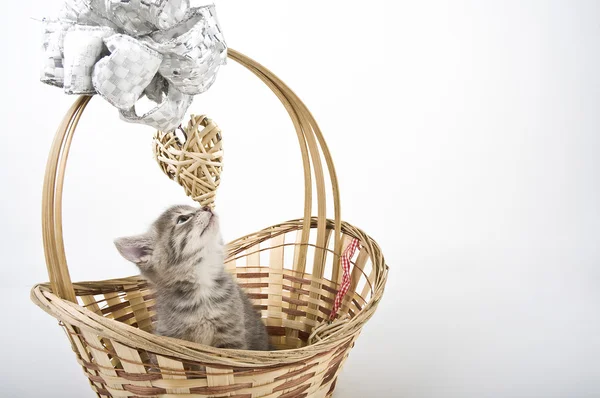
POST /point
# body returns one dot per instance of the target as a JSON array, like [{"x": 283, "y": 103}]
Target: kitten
[{"x": 196, "y": 299}]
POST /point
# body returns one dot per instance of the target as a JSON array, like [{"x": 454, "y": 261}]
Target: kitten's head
[{"x": 180, "y": 237}]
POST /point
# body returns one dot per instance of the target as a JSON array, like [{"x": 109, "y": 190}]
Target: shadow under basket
[{"x": 291, "y": 272}]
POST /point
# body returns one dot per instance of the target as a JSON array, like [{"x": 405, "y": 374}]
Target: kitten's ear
[{"x": 137, "y": 249}]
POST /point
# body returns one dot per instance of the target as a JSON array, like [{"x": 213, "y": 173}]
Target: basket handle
[{"x": 312, "y": 147}]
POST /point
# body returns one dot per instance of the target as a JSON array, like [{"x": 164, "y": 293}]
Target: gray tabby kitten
[{"x": 196, "y": 299}]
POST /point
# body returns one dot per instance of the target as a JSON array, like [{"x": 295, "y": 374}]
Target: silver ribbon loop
[
  {"x": 122, "y": 76},
  {"x": 84, "y": 45},
  {"x": 125, "y": 49}
]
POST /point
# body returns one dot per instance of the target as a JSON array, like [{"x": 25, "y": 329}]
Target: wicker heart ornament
[{"x": 195, "y": 160}]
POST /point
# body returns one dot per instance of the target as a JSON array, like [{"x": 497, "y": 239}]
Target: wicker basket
[{"x": 291, "y": 271}]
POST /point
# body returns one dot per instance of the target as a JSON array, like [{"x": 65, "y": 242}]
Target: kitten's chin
[
  {"x": 212, "y": 222},
  {"x": 211, "y": 226},
  {"x": 151, "y": 278},
  {"x": 146, "y": 270}
]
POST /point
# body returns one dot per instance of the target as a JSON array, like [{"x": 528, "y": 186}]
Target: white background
[{"x": 466, "y": 137}]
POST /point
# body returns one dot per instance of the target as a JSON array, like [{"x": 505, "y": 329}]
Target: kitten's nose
[{"x": 206, "y": 208}]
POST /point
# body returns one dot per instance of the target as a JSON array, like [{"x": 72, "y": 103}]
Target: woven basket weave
[{"x": 291, "y": 271}]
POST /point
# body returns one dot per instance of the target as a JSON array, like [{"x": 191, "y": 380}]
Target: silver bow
[{"x": 166, "y": 50}]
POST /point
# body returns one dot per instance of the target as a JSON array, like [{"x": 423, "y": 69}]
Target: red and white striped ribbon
[{"x": 345, "y": 260}]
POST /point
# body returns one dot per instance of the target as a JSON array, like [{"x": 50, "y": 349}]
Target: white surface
[{"x": 466, "y": 140}]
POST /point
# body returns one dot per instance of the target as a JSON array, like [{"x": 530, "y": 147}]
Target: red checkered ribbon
[{"x": 345, "y": 260}]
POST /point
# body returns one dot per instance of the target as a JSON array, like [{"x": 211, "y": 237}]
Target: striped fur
[{"x": 182, "y": 257}]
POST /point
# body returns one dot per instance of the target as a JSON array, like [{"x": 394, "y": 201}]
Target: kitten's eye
[{"x": 184, "y": 218}]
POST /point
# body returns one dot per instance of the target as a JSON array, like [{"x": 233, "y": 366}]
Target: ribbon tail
[{"x": 167, "y": 115}]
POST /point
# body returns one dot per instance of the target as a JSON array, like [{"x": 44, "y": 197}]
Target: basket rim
[{"x": 79, "y": 316}]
